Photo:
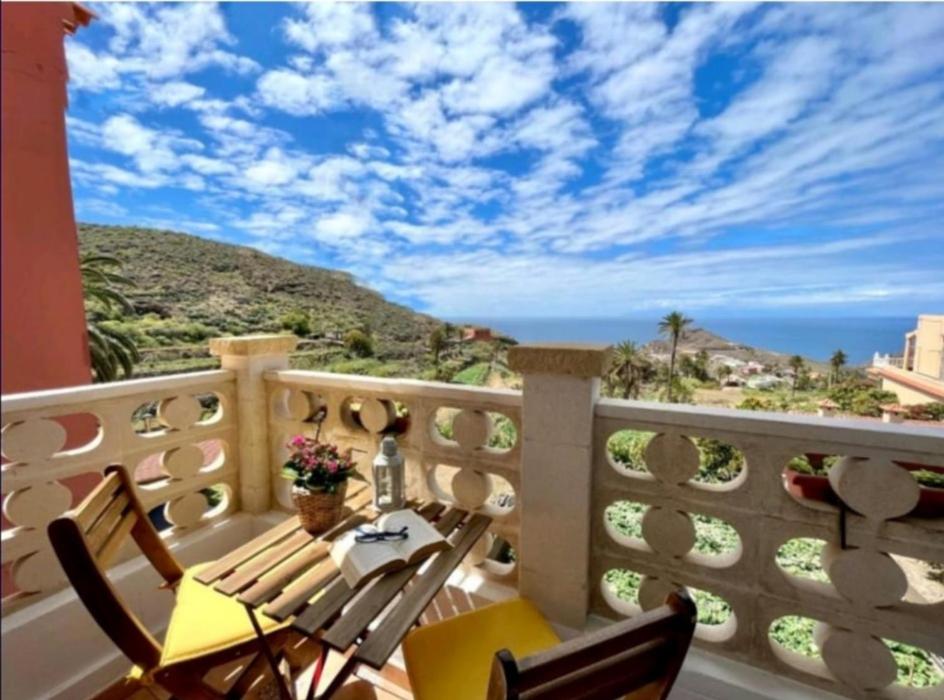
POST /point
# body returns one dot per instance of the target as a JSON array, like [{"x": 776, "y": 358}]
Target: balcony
[{"x": 584, "y": 535}]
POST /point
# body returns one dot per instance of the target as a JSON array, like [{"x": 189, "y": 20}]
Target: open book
[{"x": 361, "y": 561}]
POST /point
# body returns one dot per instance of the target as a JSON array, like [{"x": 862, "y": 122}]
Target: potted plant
[
  {"x": 807, "y": 477},
  {"x": 319, "y": 472}
]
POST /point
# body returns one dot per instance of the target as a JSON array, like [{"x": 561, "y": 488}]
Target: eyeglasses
[{"x": 365, "y": 535}]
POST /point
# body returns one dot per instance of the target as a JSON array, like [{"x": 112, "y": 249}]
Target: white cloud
[
  {"x": 176, "y": 93},
  {"x": 502, "y": 142},
  {"x": 342, "y": 225},
  {"x": 91, "y": 71},
  {"x": 154, "y": 45}
]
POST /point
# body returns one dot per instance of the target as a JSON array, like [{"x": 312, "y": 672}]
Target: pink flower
[
  {"x": 332, "y": 466},
  {"x": 298, "y": 441}
]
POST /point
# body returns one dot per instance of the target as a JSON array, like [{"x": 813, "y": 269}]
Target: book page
[
  {"x": 360, "y": 561},
  {"x": 423, "y": 539}
]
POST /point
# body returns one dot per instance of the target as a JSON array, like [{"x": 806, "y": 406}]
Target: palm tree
[
  {"x": 110, "y": 350},
  {"x": 627, "y": 368},
  {"x": 724, "y": 371},
  {"x": 837, "y": 361},
  {"x": 437, "y": 340},
  {"x": 672, "y": 326},
  {"x": 797, "y": 364}
]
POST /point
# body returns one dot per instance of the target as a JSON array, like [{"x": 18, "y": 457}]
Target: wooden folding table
[{"x": 286, "y": 574}]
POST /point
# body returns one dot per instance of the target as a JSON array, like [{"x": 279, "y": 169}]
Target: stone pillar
[
  {"x": 561, "y": 387},
  {"x": 251, "y": 356}
]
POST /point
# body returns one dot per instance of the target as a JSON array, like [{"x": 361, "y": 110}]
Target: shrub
[
  {"x": 358, "y": 343},
  {"x": 720, "y": 462},
  {"x": 296, "y": 321},
  {"x": 861, "y": 397},
  {"x": 927, "y": 411},
  {"x": 627, "y": 447}
]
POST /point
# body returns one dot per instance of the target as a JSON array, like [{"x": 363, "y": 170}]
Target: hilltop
[
  {"x": 189, "y": 289},
  {"x": 697, "y": 339}
]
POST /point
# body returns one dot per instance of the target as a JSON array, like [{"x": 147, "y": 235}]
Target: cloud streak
[{"x": 471, "y": 158}]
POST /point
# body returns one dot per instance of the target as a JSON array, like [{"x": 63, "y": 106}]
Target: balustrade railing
[
  {"x": 177, "y": 435},
  {"x": 599, "y": 506},
  {"x": 703, "y": 498},
  {"x": 460, "y": 443}
]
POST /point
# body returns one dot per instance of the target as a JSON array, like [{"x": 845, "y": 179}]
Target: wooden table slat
[
  {"x": 338, "y": 594},
  {"x": 302, "y": 589},
  {"x": 383, "y": 641},
  {"x": 356, "y": 619},
  {"x": 273, "y": 582},
  {"x": 239, "y": 555},
  {"x": 269, "y": 585},
  {"x": 269, "y": 552},
  {"x": 248, "y": 573},
  {"x": 315, "y": 616}
]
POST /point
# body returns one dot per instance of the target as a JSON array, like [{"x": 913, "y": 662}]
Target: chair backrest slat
[
  {"x": 109, "y": 519},
  {"x": 99, "y": 596},
  {"x": 90, "y": 509},
  {"x": 614, "y": 677},
  {"x": 642, "y": 654},
  {"x": 88, "y": 538},
  {"x": 116, "y": 538}
]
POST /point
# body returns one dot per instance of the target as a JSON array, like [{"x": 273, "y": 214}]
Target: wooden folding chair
[
  {"x": 206, "y": 629},
  {"x": 473, "y": 656}
]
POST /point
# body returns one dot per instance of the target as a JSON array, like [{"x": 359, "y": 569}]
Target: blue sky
[{"x": 483, "y": 160}]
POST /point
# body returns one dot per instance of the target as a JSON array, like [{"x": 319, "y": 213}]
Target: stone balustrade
[
  {"x": 869, "y": 590},
  {"x": 444, "y": 431},
  {"x": 582, "y": 533},
  {"x": 177, "y": 434}
]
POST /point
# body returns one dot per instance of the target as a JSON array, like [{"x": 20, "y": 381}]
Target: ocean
[{"x": 813, "y": 338}]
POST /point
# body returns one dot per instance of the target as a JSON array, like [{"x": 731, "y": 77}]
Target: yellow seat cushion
[
  {"x": 204, "y": 621},
  {"x": 453, "y": 658}
]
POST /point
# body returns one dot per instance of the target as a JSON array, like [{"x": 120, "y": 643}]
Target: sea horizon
[{"x": 815, "y": 338}]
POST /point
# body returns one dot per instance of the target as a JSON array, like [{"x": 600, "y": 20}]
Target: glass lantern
[{"x": 389, "y": 482}]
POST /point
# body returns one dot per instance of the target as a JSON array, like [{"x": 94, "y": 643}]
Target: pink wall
[{"x": 43, "y": 320}]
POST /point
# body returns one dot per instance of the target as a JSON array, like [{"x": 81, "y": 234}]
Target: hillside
[
  {"x": 190, "y": 289},
  {"x": 697, "y": 339}
]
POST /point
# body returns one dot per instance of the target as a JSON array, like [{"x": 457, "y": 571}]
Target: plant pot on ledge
[
  {"x": 319, "y": 511},
  {"x": 816, "y": 487}
]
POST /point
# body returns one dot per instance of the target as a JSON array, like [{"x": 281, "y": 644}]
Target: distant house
[
  {"x": 917, "y": 376},
  {"x": 752, "y": 368},
  {"x": 765, "y": 381},
  {"x": 474, "y": 333}
]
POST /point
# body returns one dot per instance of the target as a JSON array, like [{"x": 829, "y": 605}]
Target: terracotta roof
[{"x": 926, "y": 385}]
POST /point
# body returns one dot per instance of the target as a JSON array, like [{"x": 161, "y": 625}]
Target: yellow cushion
[
  {"x": 204, "y": 621},
  {"x": 453, "y": 658}
]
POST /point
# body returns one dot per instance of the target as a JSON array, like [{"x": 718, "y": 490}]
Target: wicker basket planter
[{"x": 319, "y": 511}]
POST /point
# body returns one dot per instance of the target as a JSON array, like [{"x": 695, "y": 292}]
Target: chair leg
[{"x": 258, "y": 667}]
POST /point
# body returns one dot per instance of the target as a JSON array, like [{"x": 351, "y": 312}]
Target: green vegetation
[
  {"x": 672, "y": 326},
  {"x": 358, "y": 343},
  {"x": 296, "y": 321},
  {"x": 836, "y": 363},
  {"x": 111, "y": 350},
  {"x": 473, "y": 375},
  {"x": 629, "y": 369},
  {"x": 201, "y": 289}
]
